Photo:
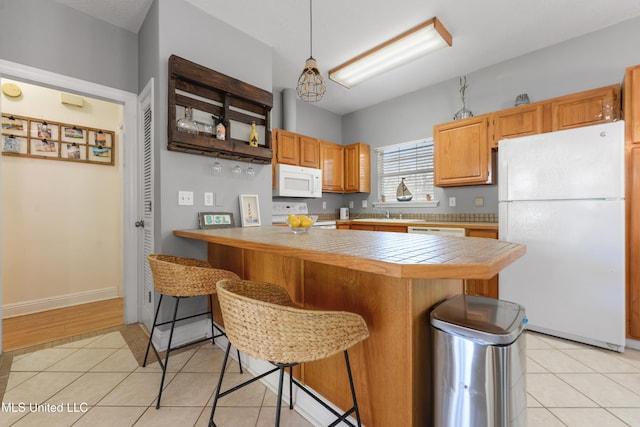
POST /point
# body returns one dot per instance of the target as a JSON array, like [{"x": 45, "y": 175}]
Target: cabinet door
[
  {"x": 633, "y": 242},
  {"x": 366, "y": 227},
  {"x": 287, "y": 147},
  {"x": 309, "y": 152},
  {"x": 515, "y": 122},
  {"x": 332, "y": 165},
  {"x": 462, "y": 153},
  {"x": 357, "y": 163},
  {"x": 392, "y": 228},
  {"x": 632, "y": 104},
  {"x": 583, "y": 108},
  {"x": 486, "y": 288}
]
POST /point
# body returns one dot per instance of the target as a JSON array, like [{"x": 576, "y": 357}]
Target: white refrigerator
[{"x": 562, "y": 195}]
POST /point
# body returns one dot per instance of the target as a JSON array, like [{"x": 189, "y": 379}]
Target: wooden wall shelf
[{"x": 213, "y": 93}]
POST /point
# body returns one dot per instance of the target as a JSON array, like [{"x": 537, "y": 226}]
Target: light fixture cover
[
  {"x": 311, "y": 85},
  {"x": 418, "y": 41}
]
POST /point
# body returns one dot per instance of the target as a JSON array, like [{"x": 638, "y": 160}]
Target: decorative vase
[{"x": 253, "y": 136}]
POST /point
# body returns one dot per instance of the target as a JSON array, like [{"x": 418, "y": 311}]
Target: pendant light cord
[{"x": 311, "y": 28}]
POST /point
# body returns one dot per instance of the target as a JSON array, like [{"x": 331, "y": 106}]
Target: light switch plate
[
  {"x": 185, "y": 198},
  {"x": 364, "y": 203},
  {"x": 478, "y": 202},
  {"x": 452, "y": 201}
]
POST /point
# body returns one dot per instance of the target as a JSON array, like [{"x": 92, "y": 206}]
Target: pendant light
[{"x": 311, "y": 86}]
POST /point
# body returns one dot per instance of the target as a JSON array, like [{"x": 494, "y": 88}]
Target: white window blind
[{"x": 412, "y": 161}]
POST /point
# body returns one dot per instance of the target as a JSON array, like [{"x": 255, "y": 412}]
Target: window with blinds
[{"x": 412, "y": 161}]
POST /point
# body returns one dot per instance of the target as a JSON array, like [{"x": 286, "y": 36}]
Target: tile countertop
[{"x": 399, "y": 255}]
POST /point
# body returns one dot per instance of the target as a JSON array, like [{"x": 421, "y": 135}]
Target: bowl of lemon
[{"x": 300, "y": 223}]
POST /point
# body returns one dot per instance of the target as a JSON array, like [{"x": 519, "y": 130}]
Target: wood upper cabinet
[
  {"x": 462, "y": 155},
  {"x": 583, "y": 108},
  {"x": 485, "y": 288},
  {"x": 309, "y": 152},
  {"x": 357, "y": 162},
  {"x": 295, "y": 149},
  {"x": 287, "y": 147},
  {"x": 332, "y": 165},
  {"x": 631, "y": 99},
  {"x": 518, "y": 121}
]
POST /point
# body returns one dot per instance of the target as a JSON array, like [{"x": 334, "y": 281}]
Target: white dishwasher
[{"x": 439, "y": 231}]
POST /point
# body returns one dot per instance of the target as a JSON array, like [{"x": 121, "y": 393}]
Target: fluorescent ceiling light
[{"x": 418, "y": 41}]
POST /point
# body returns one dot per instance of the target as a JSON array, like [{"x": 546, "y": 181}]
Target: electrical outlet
[
  {"x": 478, "y": 202},
  {"x": 452, "y": 201},
  {"x": 185, "y": 198},
  {"x": 324, "y": 205},
  {"x": 350, "y": 204},
  {"x": 208, "y": 199},
  {"x": 364, "y": 203}
]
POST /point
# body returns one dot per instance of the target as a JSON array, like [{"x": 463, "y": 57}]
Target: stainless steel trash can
[{"x": 479, "y": 363}]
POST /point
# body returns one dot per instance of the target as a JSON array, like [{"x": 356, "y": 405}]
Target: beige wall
[{"x": 61, "y": 221}]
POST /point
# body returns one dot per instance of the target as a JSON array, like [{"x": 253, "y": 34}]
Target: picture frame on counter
[
  {"x": 249, "y": 210},
  {"x": 208, "y": 220}
]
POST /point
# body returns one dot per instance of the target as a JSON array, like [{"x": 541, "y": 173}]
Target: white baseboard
[
  {"x": 633, "y": 344},
  {"x": 44, "y": 304}
]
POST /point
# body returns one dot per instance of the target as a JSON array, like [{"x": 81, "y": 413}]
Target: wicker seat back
[
  {"x": 261, "y": 320},
  {"x": 185, "y": 277}
]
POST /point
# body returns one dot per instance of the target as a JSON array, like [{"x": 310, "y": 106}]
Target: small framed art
[
  {"x": 215, "y": 220},
  {"x": 249, "y": 210}
]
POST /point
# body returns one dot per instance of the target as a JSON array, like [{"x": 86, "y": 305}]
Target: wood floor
[{"x": 40, "y": 328}]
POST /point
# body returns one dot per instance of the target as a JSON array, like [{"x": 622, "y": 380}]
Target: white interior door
[{"x": 146, "y": 223}]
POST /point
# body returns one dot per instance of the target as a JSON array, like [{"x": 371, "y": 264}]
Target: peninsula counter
[{"x": 391, "y": 279}]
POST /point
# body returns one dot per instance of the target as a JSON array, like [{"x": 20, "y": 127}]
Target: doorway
[{"x": 130, "y": 191}]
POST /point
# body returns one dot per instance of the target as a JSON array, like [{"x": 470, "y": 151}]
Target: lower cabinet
[{"x": 485, "y": 288}]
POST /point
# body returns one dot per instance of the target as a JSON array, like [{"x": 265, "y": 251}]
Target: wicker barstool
[
  {"x": 261, "y": 320},
  {"x": 179, "y": 278}
]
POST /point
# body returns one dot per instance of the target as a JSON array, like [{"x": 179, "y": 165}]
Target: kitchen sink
[{"x": 387, "y": 220}]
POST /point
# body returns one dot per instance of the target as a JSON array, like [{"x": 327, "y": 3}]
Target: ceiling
[{"x": 484, "y": 33}]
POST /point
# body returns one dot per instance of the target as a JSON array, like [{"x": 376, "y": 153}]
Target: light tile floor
[{"x": 99, "y": 383}]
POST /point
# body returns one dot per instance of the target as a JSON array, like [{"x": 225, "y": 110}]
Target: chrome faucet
[{"x": 386, "y": 212}]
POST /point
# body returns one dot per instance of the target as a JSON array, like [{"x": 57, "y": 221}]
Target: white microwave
[{"x": 297, "y": 181}]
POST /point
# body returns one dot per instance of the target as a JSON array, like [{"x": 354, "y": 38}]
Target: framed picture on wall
[
  {"x": 43, "y": 148},
  {"x": 44, "y": 130},
  {"x": 14, "y": 125},
  {"x": 73, "y": 134},
  {"x": 14, "y": 144},
  {"x": 73, "y": 151},
  {"x": 249, "y": 210}
]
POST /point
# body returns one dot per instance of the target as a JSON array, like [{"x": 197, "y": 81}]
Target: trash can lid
[{"x": 478, "y": 318}]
